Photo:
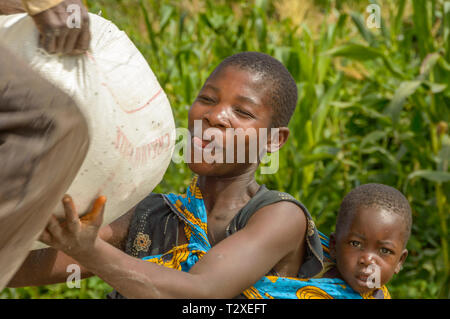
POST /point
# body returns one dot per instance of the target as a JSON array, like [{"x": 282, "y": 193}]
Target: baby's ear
[
  {"x": 401, "y": 261},
  {"x": 332, "y": 245}
]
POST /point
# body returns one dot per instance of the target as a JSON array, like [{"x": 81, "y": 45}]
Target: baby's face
[{"x": 370, "y": 249}]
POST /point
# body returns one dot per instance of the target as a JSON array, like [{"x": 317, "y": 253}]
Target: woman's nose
[{"x": 218, "y": 116}]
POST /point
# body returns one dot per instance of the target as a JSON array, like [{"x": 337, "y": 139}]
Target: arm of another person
[
  {"x": 11, "y": 7},
  {"x": 63, "y": 24},
  {"x": 49, "y": 266},
  {"x": 224, "y": 271},
  {"x": 43, "y": 142}
]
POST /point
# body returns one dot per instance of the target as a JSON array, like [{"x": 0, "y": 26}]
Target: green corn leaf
[
  {"x": 422, "y": 26},
  {"x": 324, "y": 106},
  {"x": 166, "y": 14},
  {"x": 430, "y": 175},
  {"x": 356, "y": 52},
  {"x": 446, "y": 28},
  {"x": 399, "y": 16},
  {"x": 364, "y": 53},
  {"x": 150, "y": 31},
  {"x": 377, "y": 149},
  {"x": 405, "y": 90},
  {"x": 373, "y": 137},
  {"x": 360, "y": 24},
  {"x": 428, "y": 63},
  {"x": 435, "y": 87}
]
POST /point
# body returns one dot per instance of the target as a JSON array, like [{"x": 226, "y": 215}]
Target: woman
[{"x": 226, "y": 233}]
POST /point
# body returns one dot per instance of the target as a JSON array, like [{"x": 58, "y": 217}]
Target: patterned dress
[{"x": 154, "y": 231}]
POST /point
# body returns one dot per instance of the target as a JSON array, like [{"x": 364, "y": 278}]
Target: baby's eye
[
  {"x": 355, "y": 243},
  {"x": 386, "y": 251}
]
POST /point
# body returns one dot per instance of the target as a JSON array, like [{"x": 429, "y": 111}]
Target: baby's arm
[{"x": 48, "y": 266}]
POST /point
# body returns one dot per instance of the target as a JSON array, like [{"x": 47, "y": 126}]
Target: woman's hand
[{"x": 75, "y": 236}]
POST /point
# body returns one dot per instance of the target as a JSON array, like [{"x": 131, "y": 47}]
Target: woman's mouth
[
  {"x": 200, "y": 143},
  {"x": 210, "y": 139}
]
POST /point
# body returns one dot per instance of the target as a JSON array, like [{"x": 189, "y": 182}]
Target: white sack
[{"x": 131, "y": 126}]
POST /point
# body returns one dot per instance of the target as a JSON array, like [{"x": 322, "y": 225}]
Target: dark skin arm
[
  {"x": 48, "y": 265},
  {"x": 224, "y": 272},
  {"x": 56, "y": 34},
  {"x": 11, "y": 7}
]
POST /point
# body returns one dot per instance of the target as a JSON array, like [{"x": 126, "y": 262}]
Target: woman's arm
[
  {"x": 49, "y": 266},
  {"x": 225, "y": 271}
]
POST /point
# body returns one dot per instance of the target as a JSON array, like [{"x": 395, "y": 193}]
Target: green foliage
[
  {"x": 373, "y": 107},
  {"x": 91, "y": 288}
]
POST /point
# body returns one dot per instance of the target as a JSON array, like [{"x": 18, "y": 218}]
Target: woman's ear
[
  {"x": 332, "y": 246},
  {"x": 401, "y": 261},
  {"x": 277, "y": 138}
]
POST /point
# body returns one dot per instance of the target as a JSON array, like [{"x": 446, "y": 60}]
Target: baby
[{"x": 369, "y": 245}]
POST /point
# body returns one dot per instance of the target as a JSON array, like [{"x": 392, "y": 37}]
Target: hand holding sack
[{"x": 129, "y": 119}]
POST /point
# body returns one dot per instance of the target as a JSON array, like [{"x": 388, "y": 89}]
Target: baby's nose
[{"x": 367, "y": 258}]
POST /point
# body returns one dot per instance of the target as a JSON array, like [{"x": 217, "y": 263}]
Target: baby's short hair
[
  {"x": 375, "y": 195},
  {"x": 282, "y": 87}
]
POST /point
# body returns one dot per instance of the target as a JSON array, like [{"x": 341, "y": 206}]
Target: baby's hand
[{"x": 75, "y": 236}]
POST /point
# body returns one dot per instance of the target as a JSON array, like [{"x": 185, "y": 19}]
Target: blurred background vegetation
[{"x": 374, "y": 105}]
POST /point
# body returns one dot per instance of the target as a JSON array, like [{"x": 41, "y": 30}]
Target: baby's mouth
[{"x": 362, "y": 278}]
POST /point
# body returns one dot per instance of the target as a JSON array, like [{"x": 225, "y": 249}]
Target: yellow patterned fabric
[
  {"x": 175, "y": 257},
  {"x": 34, "y": 7},
  {"x": 383, "y": 290},
  {"x": 311, "y": 292}
]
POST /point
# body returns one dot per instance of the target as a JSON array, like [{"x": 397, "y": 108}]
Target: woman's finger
[
  {"x": 72, "y": 219},
  {"x": 95, "y": 216},
  {"x": 45, "y": 237},
  {"x": 53, "y": 227}
]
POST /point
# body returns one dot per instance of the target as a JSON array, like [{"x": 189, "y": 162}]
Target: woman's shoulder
[
  {"x": 264, "y": 197},
  {"x": 313, "y": 262}
]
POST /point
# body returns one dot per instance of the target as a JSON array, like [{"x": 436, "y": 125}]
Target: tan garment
[
  {"x": 43, "y": 142},
  {"x": 34, "y": 7}
]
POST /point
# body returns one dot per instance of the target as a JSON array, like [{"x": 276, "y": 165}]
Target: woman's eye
[
  {"x": 244, "y": 113},
  {"x": 355, "y": 243},
  {"x": 205, "y": 99}
]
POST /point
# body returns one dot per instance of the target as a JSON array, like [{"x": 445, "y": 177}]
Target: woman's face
[{"x": 227, "y": 118}]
